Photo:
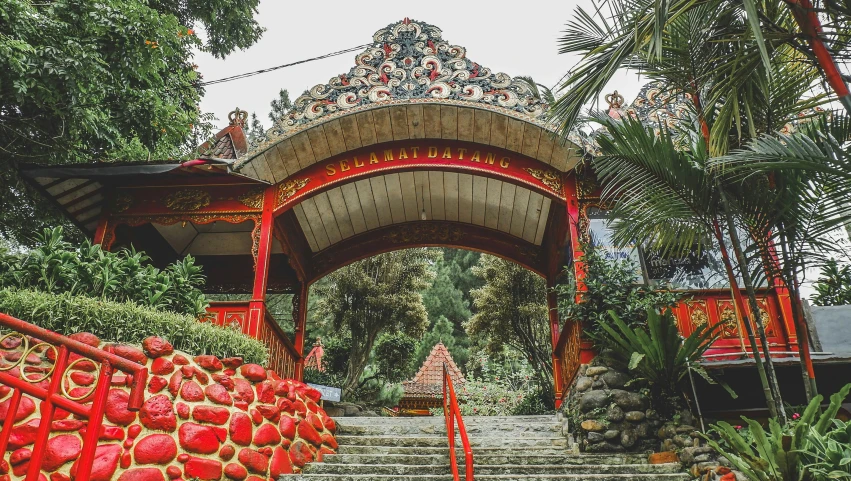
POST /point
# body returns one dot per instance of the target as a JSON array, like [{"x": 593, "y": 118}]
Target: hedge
[{"x": 128, "y": 322}]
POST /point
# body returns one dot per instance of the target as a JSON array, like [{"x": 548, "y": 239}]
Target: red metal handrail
[
  {"x": 91, "y": 405},
  {"x": 451, "y": 412}
]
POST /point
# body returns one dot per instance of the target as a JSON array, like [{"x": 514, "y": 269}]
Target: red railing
[
  {"x": 283, "y": 356},
  {"x": 568, "y": 352},
  {"x": 23, "y": 370},
  {"x": 451, "y": 412}
]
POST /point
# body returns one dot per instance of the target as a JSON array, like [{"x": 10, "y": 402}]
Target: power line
[{"x": 270, "y": 69}]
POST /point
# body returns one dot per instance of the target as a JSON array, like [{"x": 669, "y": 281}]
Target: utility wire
[{"x": 270, "y": 69}]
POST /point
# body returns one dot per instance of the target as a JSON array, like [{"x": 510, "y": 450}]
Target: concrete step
[
  {"x": 484, "y": 469},
  {"x": 383, "y": 450},
  {"x": 495, "y": 477},
  {"x": 439, "y": 420},
  {"x": 435, "y": 429},
  {"x": 438, "y": 441},
  {"x": 526, "y": 457}
]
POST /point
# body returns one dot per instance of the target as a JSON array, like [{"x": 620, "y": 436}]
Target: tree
[
  {"x": 833, "y": 287},
  {"x": 442, "y": 331},
  {"x": 444, "y": 298},
  {"x": 512, "y": 311},
  {"x": 280, "y": 106},
  {"x": 255, "y": 132},
  {"x": 83, "y": 81},
  {"x": 376, "y": 295}
]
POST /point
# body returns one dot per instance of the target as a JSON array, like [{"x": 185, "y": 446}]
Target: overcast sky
[{"x": 518, "y": 38}]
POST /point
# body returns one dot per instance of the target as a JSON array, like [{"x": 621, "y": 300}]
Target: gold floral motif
[
  {"x": 547, "y": 177},
  {"x": 289, "y": 188},
  {"x": 187, "y": 200},
  {"x": 255, "y": 241},
  {"x": 699, "y": 318},
  {"x": 730, "y": 321},
  {"x": 122, "y": 202},
  {"x": 253, "y": 198}
]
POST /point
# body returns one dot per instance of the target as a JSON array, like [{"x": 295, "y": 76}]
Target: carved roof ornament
[
  {"x": 409, "y": 60},
  {"x": 238, "y": 117}
]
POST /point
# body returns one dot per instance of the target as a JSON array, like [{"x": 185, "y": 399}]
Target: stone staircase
[{"x": 504, "y": 449}]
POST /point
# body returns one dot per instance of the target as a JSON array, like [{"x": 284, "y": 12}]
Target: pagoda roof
[{"x": 428, "y": 381}]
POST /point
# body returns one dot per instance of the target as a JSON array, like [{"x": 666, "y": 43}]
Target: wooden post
[
  {"x": 257, "y": 306},
  {"x": 555, "y": 328},
  {"x": 586, "y": 353},
  {"x": 300, "y": 320}
]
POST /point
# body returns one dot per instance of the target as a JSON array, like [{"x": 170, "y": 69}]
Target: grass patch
[{"x": 128, "y": 322}]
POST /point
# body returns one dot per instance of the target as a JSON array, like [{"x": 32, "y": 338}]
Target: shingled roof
[{"x": 428, "y": 382}]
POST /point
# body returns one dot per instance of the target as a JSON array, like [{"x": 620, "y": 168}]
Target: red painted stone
[
  {"x": 162, "y": 366},
  {"x": 241, "y": 405},
  {"x": 129, "y": 352},
  {"x": 116, "y": 408},
  {"x": 330, "y": 425},
  {"x": 227, "y": 452},
  {"x": 255, "y": 462},
  {"x": 191, "y": 391},
  {"x": 86, "y": 338},
  {"x": 60, "y": 413},
  {"x": 240, "y": 429},
  {"x": 155, "y": 449},
  {"x": 285, "y": 405},
  {"x": 230, "y": 372},
  {"x": 134, "y": 430},
  {"x": 236, "y": 472},
  {"x": 328, "y": 440},
  {"x": 312, "y": 407},
  {"x": 309, "y": 434},
  {"x": 265, "y": 392},
  {"x": 316, "y": 421},
  {"x": 203, "y": 468},
  {"x": 188, "y": 371},
  {"x": 287, "y": 427},
  {"x": 142, "y": 474},
  {"x": 256, "y": 416},
  {"x": 25, "y": 408},
  {"x": 156, "y": 384},
  {"x": 201, "y": 376},
  {"x": 158, "y": 413},
  {"x": 20, "y": 456},
  {"x": 221, "y": 433},
  {"x": 300, "y": 453},
  {"x": 232, "y": 362},
  {"x": 111, "y": 433},
  {"x": 24, "y": 434},
  {"x": 210, "y": 363},
  {"x": 21, "y": 469},
  {"x": 59, "y": 477},
  {"x": 174, "y": 383},
  {"x": 253, "y": 372},
  {"x": 312, "y": 394},
  {"x": 224, "y": 380},
  {"x": 60, "y": 449},
  {"x": 81, "y": 378},
  {"x": 183, "y": 410},
  {"x": 125, "y": 460},
  {"x": 728, "y": 477},
  {"x": 196, "y": 438},
  {"x": 173, "y": 472},
  {"x": 267, "y": 434},
  {"x": 218, "y": 394},
  {"x": 265, "y": 450},
  {"x": 104, "y": 464},
  {"x": 210, "y": 414},
  {"x": 66, "y": 425},
  {"x": 270, "y": 412},
  {"x": 280, "y": 463},
  {"x": 183, "y": 457},
  {"x": 322, "y": 452},
  {"x": 255, "y": 478},
  {"x": 156, "y": 347},
  {"x": 128, "y": 443},
  {"x": 179, "y": 360},
  {"x": 243, "y": 390},
  {"x": 300, "y": 408}
]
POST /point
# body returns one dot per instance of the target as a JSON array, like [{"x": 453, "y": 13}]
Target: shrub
[
  {"x": 833, "y": 287},
  {"x": 127, "y": 322}
]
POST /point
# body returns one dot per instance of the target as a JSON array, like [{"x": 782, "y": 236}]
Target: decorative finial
[
  {"x": 406, "y": 21},
  {"x": 238, "y": 117},
  {"x": 615, "y": 100}
]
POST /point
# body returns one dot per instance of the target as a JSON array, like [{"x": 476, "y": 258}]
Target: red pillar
[
  {"x": 586, "y": 353},
  {"x": 257, "y": 306},
  {"x": 555, "y": 327},
  {"x": 300, "y": 320}
]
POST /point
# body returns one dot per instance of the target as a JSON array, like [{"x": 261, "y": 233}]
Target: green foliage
[
  {"x": 833, "y": 287},
  {"x": 375, "y": 295},
  {"x": 393, "y": 357},
  {"x": 611, "y": 285},
  {"x": 280, "y": 106},
  {"x": 512, "y": 311},
  {"x": 127, "y": 322},
  {"x": 656, "y": 353},
  {"x": 55, "y": 266},
  {"x": 790, "y": 453},
  {"x": 114, "y": 79},
  {"x": 828, "y": 456}
]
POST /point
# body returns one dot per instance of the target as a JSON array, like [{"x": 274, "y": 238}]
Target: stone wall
[{"x": 203, "y": 418}]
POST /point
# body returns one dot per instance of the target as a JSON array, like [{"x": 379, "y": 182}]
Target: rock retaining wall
[{"x": 203, "y": 418}]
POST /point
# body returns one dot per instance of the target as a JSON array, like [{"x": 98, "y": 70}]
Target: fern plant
[{"x": 798, "y": 452}]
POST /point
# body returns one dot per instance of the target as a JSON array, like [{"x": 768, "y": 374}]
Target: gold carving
[
  {"x": 549, "y": 178},
  {"x": 427, "y": 232},
  {"x": 289, "y": 189},
  {"x": 187, "y": 200},
  {"x": 699, "y": 318},
  {"x": 253, "y": 198},
  {"x": 122, "y": 202},
  {"x": 730, "y": 321}
]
